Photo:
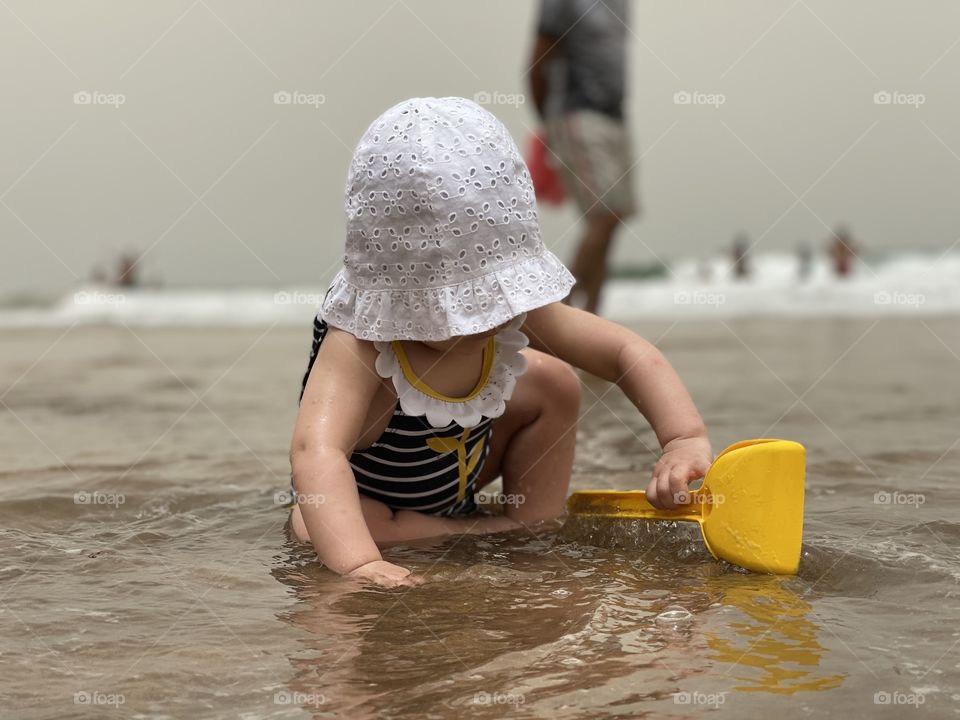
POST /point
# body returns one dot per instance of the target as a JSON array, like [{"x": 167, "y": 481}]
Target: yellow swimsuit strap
[{"x": 411, "y": 376}]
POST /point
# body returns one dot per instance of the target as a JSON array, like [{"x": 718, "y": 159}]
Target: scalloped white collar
[{"x": 487, "y": 400}]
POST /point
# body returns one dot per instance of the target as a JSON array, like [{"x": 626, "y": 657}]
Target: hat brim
[{"x": 473, "y": 306}]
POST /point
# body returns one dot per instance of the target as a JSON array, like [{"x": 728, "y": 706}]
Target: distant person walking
[
  {"x": 739, "y": 253},
  {"x": 843, "y": 250},
  {"x": 127, "y": 271},
  {"x": 804, "y": 261},
  {"x": 577, "y": 79}
]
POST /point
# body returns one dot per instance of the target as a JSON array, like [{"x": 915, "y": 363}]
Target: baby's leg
[
  {"x": 533, "y": 442},
  {"x": 379, "y": 518},
  {"x": 388, "y": 527},
  {"x": 297, "y": 524},
  {"x": 375, "y": 514}
]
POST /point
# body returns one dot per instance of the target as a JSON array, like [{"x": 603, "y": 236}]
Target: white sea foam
[
  {"x": 908, "y": 285},
  {"x": 170, "y": 307},
  {"x": 905, "y": 285}
]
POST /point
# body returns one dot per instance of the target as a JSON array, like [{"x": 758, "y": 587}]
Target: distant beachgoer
[
  {"x": 442, "y": 356},
  {"x": 843, "y": 250},
  {"x": 804, "y": 261},
  {"x": 127, "y": 273},
  {"x": 739, "y": 252},
  {"x": 577, "y": 79}
]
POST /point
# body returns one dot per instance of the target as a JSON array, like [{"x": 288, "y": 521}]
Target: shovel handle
[{"x": 631, "y": 504}]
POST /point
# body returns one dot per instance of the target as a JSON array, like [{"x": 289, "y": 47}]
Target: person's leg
[
  {"x": 532, "y": 445},
  {"x": 375, "y": 514},
  {"x": 590, "y": 262},
  {"x": 297, "y": 525},
  {"x": 597, "y": 168}
]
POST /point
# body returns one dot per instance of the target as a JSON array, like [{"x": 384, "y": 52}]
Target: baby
[{"x": 442, "y": 353}]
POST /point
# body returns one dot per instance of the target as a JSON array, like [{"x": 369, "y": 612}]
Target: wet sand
[{"x": 147, "y": 570}]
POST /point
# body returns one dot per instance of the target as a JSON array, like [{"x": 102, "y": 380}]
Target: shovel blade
[{"x": 755, "y": 519}]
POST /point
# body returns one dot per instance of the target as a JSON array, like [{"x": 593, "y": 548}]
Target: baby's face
[{"x": 465, "y": 343}]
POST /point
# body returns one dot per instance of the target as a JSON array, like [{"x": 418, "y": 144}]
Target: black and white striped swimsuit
[{"x": 413, "y": 465}]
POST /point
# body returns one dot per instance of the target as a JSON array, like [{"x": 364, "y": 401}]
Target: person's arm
[
  {"x": 618, "y": 355},
  {"x": 543, "y": 48},
  {"x": 332, "y": 412},
  {"x": 552, "y": 23}
]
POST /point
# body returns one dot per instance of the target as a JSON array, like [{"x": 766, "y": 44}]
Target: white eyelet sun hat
[{"x": 443, "y": 237}]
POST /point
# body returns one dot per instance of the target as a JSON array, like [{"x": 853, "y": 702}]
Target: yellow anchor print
[{"x": 465, "y": 464}]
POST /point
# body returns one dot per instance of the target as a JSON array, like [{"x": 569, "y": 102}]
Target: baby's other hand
[
  {"x": 683, "y": 461},
  {"x": 385, "y": 574}
]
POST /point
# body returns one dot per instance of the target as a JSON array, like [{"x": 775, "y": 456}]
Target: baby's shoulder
[{"x": 343, "y": 350}]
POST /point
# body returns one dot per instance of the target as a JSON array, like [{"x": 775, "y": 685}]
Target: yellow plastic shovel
[{"x": 750, "y": 506}]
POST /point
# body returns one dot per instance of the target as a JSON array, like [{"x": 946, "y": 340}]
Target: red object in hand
[{"x": 547, "y": 183}]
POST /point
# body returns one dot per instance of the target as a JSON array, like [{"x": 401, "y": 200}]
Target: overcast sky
[{"x": 217, "y": 184}]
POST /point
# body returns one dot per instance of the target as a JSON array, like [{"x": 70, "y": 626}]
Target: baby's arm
[
  {"x": 332, "y": 412},
  {"x": 344, "y": 530},
  {"x": 620, "y": 356}
]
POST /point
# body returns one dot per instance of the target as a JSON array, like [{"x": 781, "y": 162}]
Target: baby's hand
[
  {"x": 385, "y": 574},
  {"x": 683, "y": 461}
]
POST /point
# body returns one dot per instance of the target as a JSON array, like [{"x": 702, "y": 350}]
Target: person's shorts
[{"x": 595, "y": 160}]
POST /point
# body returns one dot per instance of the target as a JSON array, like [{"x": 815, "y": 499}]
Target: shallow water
[{"x": 171, "y": 588}]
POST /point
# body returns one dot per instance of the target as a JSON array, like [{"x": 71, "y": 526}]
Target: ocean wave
[{"x": 904, "y": 285}]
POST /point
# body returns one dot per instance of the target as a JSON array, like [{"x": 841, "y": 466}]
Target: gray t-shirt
[{"x": 590, "y": 54}]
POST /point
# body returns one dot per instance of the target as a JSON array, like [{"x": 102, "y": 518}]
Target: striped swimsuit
[{"x": 413, "y": 465}]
